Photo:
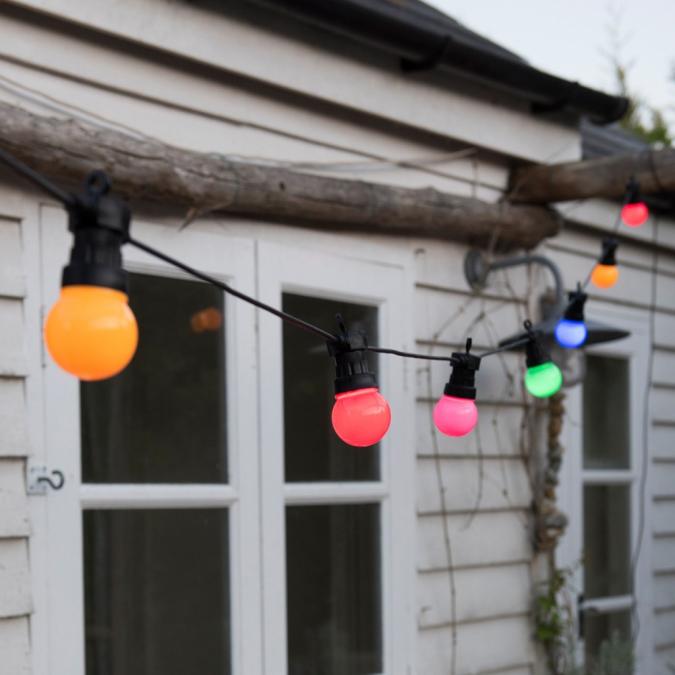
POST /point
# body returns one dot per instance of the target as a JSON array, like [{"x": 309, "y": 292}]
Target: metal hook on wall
[{"x": 39, "y": 478}]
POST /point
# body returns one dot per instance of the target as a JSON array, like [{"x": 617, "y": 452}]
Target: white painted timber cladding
[
  {"x": 235, "y": 46},
  {"x": 484, "y": 477},
  {"x": 15, "y": 582}
]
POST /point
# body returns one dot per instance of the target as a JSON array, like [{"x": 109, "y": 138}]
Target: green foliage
[
  {"x": 554, "y": 623},
  {"x": 641, "y": 119},
  {"x": 550, "y": 619},
  {"x": 615, "y": 658},
  {"x": 555, "y": 630}
]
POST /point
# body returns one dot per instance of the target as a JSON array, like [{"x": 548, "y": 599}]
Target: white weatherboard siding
[
  {"x": 474, "y": 490},
  {"x": 15, "y": 581},
  {"x": 317, "y": 72}
]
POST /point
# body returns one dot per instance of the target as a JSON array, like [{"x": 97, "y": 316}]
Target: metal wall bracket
[
  {"x": 477, "y": 269},
  {"x": 40, "y": 479}
]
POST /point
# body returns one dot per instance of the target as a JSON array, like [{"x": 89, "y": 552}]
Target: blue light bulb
[{"x": 570, "y": 333}]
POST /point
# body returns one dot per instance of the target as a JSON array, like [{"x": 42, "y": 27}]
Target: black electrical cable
[
  {"x": 409, "y": 355},
  {"x": 505, "y": 348},
  {"x": 646, "y": 424},
  {"x": 65, "y": 198},
  {"x": 614, "y": 230},
  {"x": 300, "y": 323},
  {"x": 71, "y": 201},
  {"x": 296, "y": 321}
]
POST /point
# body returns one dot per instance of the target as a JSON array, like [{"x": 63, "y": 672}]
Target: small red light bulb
[
  {"x": 361, "y": 417},
  {"x": 634, "y": 214}
]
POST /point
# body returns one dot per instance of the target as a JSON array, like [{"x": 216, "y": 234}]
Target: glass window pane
[
  {"x": 607, "y": 640},
  {"x": 313, "y": 452},
  {"x": 162, "y": 420},
  {"x": 606, "y": 413},
  {"x": 606, "y": 540},
  {"x": 333, "y": 586},
  {"x": 157, "y": 592}
]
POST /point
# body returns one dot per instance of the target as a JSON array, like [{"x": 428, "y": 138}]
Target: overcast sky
[{"x": 567, "y": 37}]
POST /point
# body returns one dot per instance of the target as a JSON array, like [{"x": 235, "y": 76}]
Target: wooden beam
[
  {"x": 605, "y": 177},
  {"x": 148, "y": 170}
]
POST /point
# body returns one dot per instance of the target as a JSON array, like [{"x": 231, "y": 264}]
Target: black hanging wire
[
  {"x": 71, "y": 201},
  {"x": 24, "y": 170},
  {"x": 285, "y": 316},
  {"x": 615, "y": 228}
]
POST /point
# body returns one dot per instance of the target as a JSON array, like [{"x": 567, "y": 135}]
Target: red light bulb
[
  {"x": 361, "y": 417},
  {"x": 634, "y": 214}
]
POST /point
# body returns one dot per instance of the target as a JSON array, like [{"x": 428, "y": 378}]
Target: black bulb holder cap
[
  {"x": 100, "y": 226},
  {"x": 535, "y": 352},
  {"x": 462, "y": 382},
  {"x": 632, "y": 195},
  {"x": 351, "y": 363},
  {"x": 608, "y": 255},
  {"x": 575, "y": 306}
]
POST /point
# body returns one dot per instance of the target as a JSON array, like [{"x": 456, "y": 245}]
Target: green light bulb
[{"x": 543, "y": 380}]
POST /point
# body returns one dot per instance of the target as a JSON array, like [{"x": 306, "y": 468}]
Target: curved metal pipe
[{"x": 477, "y": 270}]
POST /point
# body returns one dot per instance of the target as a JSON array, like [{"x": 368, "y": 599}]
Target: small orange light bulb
[
  {"x": 91, "y": 331},
  {"x": 605, "y": 276}
]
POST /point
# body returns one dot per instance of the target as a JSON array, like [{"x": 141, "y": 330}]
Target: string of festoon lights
[
  {"x": 91, "y": 331},
  {"x": 571, "y": 332}
]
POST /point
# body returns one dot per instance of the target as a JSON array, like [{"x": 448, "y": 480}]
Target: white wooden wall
[
  {"x": 15, "y": 582},
  {"x": 475, "y": 490}
]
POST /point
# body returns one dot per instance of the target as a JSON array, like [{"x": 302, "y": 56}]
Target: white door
[
  {"x": 603, "y": 493},
  {"x": 210, "y": 521},
  {"x": 337, "y": 521},
  {"x": 151, "y": 564}
]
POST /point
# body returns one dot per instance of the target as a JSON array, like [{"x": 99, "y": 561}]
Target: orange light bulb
[
  {"x": 605, "y": 276},
  {"x": 91, "y": 332}
]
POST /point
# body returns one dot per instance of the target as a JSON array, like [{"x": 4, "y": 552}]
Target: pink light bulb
[
  {"x": 361, "y": 417},
  {"x": 455, "y": 416}
]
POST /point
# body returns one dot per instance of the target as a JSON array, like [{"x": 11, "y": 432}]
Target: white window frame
[
  {"x": 58, "y": 621},
  {"x": 635, "y": 349},
  {"x": 341, "y": 276},
  {"x": 255, "y": 495}
]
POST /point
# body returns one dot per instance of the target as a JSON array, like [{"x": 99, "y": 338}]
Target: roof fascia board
[{"x": 281, "y": 61}]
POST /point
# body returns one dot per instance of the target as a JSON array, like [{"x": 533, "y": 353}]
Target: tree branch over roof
[
  {"x": 149, "y": 170},
  {"x": 605, "y": 177}
]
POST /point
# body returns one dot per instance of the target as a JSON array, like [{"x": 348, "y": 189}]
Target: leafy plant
[
  {"x": 642, "y": 119},
  {"x": 554, "y": 623},
  {"x": 615, "y": 657},
  {"x": 555, "y": 629}
]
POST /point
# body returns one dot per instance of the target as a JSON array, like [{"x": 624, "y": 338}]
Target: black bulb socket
[
  {"x": 608, "y": 255},
  {"x": 632, "y": 194},
  {"x": 535, "y": 352},
  {"x": 100, "y": 226},
  {"x": 462, "y": 382},
  {"x": 352, "y": 371},
  {"x": 575, "y": 306}
]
